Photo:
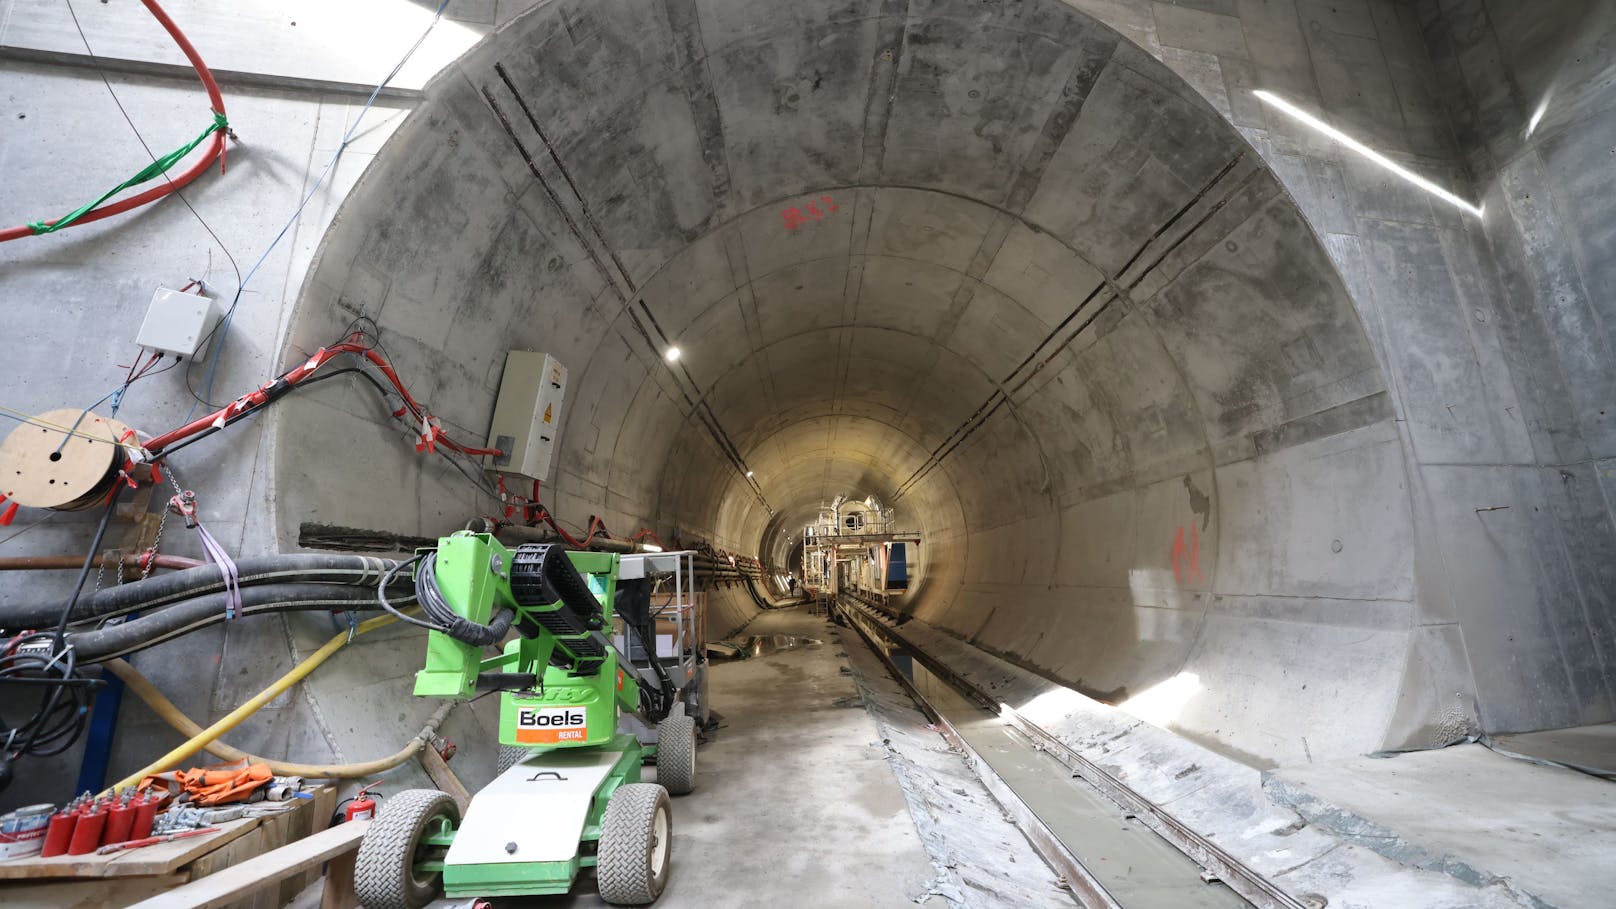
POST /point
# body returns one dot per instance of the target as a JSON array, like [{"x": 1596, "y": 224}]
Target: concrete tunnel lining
[{"x": 991, "y": 169}]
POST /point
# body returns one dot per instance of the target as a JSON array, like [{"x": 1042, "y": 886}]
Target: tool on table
[
  {"x": 87, "y": 832},
  {"x": 59, "y": 832},
  {"x": 120, "y": 819},
  {"x": 154, "y": 840}
]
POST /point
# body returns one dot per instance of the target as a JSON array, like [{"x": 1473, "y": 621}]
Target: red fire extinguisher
[{"x": 363, "y": 807}]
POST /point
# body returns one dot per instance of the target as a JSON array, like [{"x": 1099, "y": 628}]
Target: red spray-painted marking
[
  {"x": 1187, "y": 559},
  {"x": 796, "y": 217}
]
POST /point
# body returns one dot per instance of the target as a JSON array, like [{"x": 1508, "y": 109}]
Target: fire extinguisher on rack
[{"x": 363, "y": 807}]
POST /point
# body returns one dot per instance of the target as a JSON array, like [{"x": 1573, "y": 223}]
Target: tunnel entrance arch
[{"x": 992, "y": 262}]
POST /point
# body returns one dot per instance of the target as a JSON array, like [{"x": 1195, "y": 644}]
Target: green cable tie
[{"x": 155, "y": 169}]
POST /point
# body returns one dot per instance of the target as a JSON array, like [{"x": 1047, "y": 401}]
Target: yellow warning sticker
[{"x": 547, "y": 409}]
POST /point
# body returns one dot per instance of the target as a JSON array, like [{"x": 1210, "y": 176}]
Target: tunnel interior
[
  {"x": 1244, "y": 368},
  {"x": 996, "y": 266}
]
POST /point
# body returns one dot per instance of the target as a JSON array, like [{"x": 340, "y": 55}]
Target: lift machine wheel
[
  {"x": 676, "y": 754},
  {"x": 635, "y": 839},
  {"x": 400, "y": 861}
]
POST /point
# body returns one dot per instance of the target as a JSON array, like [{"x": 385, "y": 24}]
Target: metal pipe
[
  {"x": 515, "y": 533},
  {"x": 703, "y": 563},
  {"x": 65, "y": 562}
]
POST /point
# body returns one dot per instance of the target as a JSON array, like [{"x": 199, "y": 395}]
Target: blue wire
[
  {"x": 82, "y": 414},
  {"x": 224, "y": 324}
]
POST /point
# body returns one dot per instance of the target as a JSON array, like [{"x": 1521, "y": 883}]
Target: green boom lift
[{"x": 572, "y": 797}]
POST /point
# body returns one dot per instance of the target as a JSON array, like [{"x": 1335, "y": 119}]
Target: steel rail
[
  {"x": 1216, "y": 864},
  {"x": 1090, "y": 893}
]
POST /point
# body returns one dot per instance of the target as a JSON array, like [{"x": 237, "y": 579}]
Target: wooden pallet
[{"x": 121, "y": 878}]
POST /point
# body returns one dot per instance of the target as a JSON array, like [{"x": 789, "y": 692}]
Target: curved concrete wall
[
  {"x": 993, "y": 264},
  {"x": 1480, "y": 596}
]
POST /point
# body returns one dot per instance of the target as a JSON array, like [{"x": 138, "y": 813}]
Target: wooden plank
[
  {"x": 245, "y": 849},
  {"x": 256, "y": 874},
  {"x": 277, "y": 830},
  {"x": 163, "y": 858},
  {"x": 99, "y": 893},
  {"x": 319, "y": 815},
  {"x": 443, "y": 777},
  {"x": 338, "y": 892}
]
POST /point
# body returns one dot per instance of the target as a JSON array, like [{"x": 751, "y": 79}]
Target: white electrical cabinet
[
  {"x": 176, "y": 322},
  {"x": 527, "y": 415}
]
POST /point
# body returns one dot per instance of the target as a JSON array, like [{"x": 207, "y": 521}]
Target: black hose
[
  {"x": 200, "y": 612},
  {"x": 160, "y": 590}
]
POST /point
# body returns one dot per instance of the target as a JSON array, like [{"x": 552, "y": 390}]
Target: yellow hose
[
  {"x": 141, "y": 687},
  {"x": 234, "y": 717}
]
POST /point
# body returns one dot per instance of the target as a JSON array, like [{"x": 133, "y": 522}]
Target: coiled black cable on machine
[{"x": 440, "y": 616}]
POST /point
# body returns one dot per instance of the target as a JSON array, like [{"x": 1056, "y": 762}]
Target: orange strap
[{"x": 220, "y": 784}]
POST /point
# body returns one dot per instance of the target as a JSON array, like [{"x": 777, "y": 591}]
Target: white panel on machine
[
  {"x": 527, "y": 414},
  {"x": 540, "y": 806}
]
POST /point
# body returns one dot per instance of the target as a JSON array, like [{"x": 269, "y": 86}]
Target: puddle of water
[{"x": 759, "y": 645}]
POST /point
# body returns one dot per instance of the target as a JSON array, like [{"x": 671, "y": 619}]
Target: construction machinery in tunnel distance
[{"x": 1233, "y": 379}]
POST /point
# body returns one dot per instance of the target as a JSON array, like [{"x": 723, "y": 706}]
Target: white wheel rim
[{"x": 662, "y": 842}]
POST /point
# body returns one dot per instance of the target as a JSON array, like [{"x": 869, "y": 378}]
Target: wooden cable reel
[{"x": 47, "y": 463}]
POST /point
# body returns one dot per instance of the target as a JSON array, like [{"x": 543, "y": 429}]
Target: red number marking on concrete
[
  {"x": 796, "y": 217},
  {"x": 1187, "y": 558}
]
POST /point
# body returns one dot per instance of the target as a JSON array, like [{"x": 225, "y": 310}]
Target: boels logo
[
  {"x": 542, "y": 718},
  {"x": 551, "y": 725}
]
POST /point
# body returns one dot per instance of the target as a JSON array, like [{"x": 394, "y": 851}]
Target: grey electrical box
[
  {"x": 176, "y": 322},
  {"x": 527, "y": 415}
]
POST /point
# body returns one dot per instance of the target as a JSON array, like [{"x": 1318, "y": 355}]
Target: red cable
[
  {"x": 644, "y": 533},
  {"x": 216, "y": 149},
  {"x": 260, "y": 396},
  {"x": 544, "y": 515}
]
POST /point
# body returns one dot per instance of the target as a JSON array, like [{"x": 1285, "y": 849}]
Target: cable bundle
[
  {"x": 32, "y": 660},
  {"x": 440, "y": 616}
]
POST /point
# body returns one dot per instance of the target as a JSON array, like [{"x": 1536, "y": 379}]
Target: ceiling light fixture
[
  {"x": 1537, "y": 115},
  {"x": 673, "y": 354},
  {"x": 749, "y": 474},
  {"x": 1308, "y": 119}
]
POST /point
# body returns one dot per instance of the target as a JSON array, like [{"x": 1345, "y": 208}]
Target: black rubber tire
[
  {"x": 509, "y": 755},
  {"x": 384, "y": 876},
  {"x": 628, "y": 870},
  {"x": 676, "y": 754}
]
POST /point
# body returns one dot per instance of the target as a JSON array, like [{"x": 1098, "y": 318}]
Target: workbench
[{"x": 122, "y": 878}]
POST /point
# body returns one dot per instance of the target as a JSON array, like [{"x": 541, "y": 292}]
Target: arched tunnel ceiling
[{"x": 989, "y": 262}]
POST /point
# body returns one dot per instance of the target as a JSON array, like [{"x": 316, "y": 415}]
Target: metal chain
[
  {"x": 161, "y": 523},
  {"x": 156, "y": 541},
  {"x": 100, "y": 571}
]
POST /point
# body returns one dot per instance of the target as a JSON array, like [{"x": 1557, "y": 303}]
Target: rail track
[{"x": 1079, "y": 817}]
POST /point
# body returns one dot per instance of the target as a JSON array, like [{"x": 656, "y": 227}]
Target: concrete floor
[
  {"x": 985, "y": 859},
  {"x": 1344, "y": 865},
  {"x": 1137, "y": 867},
  {"x": 1543, "y": 832},
  {"x": 796, "y": 804}
]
